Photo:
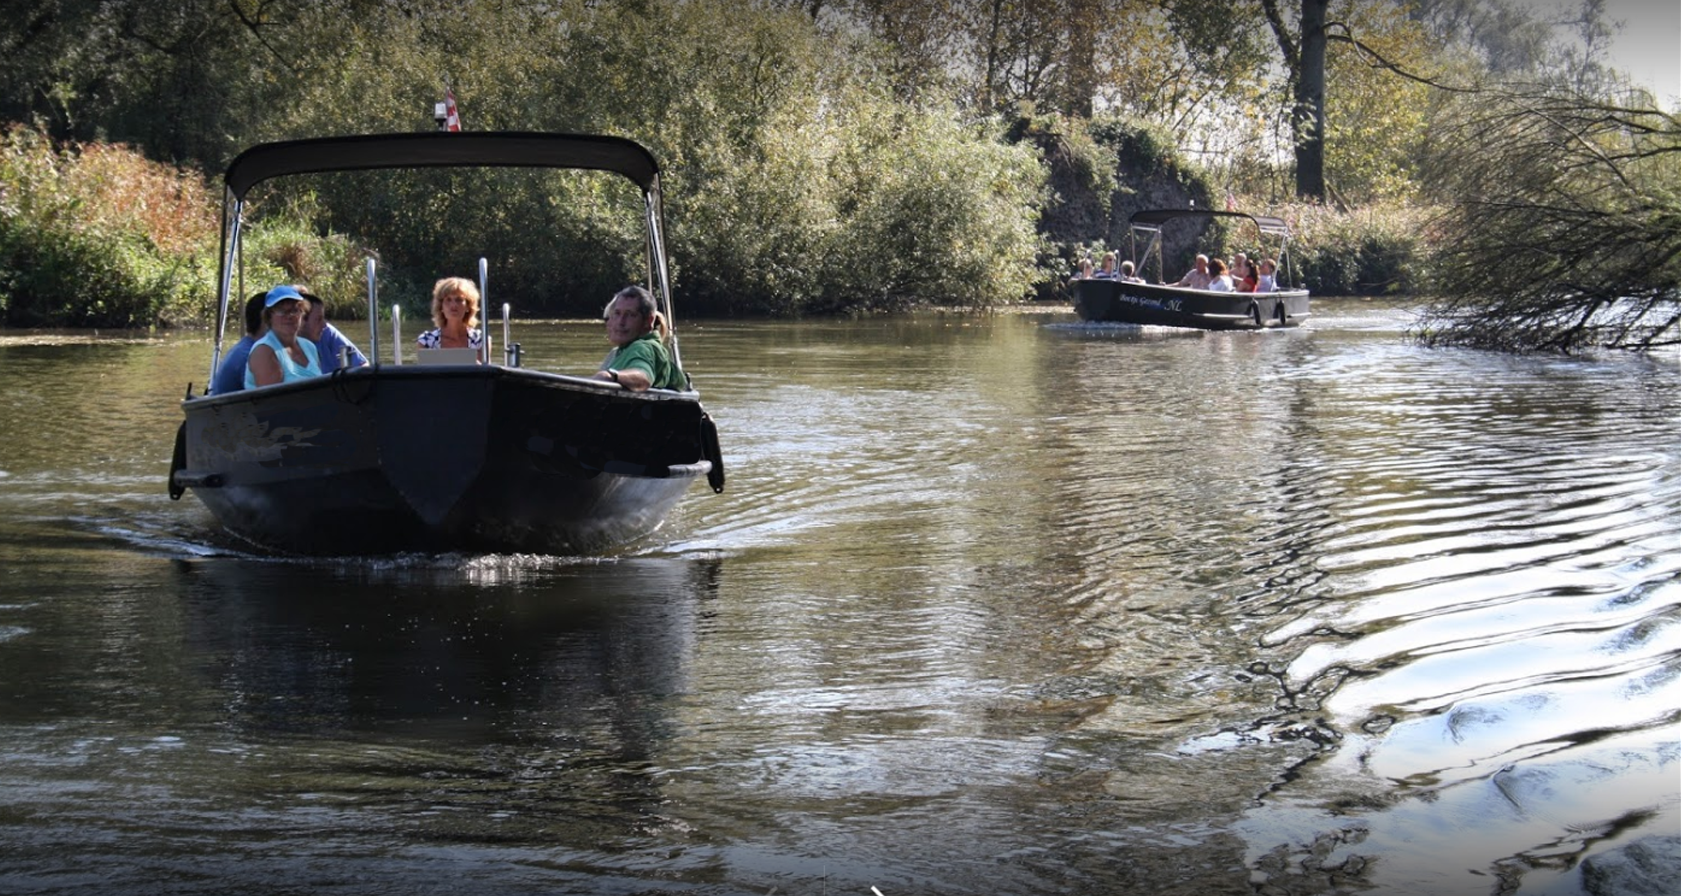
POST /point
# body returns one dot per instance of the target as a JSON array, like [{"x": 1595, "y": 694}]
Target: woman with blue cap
[{"x": 280, "y": 356}]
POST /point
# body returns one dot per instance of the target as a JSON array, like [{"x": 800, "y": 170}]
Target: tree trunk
[
  {"x": 1308, "y": 116},
  {"x": 989, "y": 84},
  {"x": 1083, "y": 18}
]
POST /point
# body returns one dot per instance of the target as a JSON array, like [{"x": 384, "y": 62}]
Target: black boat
[
  {"x": 1140, "y": 302},
  {"x": 362, "y": 461}
]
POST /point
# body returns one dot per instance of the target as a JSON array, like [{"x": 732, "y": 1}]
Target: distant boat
[
  {"x": 1120, "y": 301},
  {"x": 443, "y": 457}
]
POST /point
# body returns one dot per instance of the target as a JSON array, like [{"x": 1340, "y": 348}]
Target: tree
[
  {"x": 1304, "y": 58},
  {"x": 171, "y": 77},
  {"x": 1375, "y": 119},
  {"x": 1565, "y": 224},
  {"x": 1504, "y": 37}
]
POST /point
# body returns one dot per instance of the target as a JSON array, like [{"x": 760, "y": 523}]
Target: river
[{"x": 992, "y": 605}]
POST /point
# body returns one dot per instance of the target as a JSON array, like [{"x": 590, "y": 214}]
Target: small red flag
[{"x": 452, "y": 120}]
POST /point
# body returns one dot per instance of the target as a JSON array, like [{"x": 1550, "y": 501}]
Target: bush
[
  {"x": 97, "y": 236},
  {"x": 284, "y": 247},
  {"x": 941, "y": 214},
  {"x": 1378, "y": 250}
]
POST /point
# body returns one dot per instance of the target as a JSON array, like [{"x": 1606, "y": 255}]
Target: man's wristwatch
[{"x": 613, "y": 374}]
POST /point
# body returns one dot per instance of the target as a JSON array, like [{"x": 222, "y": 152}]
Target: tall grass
[
  {"x": 95, "y": 235},
  {"x": 1375, "y": 250}
]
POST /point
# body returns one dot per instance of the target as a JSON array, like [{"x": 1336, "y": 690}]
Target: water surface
[{"x": 991, "y": 605}]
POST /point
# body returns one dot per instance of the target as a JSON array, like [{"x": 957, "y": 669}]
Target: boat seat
[{"x": 446, "y": 356}]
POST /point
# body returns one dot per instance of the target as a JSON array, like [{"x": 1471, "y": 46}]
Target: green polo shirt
[{"x": 649, "y": 355}]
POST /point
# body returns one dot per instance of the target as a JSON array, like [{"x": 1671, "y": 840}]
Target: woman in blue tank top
[{"x": 280, "y": 356}]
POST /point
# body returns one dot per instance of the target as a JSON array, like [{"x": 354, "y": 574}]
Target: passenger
[
  {"x": 1218, "y": 279},
  {"x": 1267, "y": 281},
  {"x": 1196, "y": 277},
  {"x": 455, "y": 309},
  {"x": 230, "y": 375},
  {"x": 1084, "y": 273},
  {"x": 281, "y": 356},
  {"x": 1107, "y": 271},
  {"x": 1244, "y": 277},
  {"x": 1127, "y": 274},
  {"x": 639, "y": 359},
  {"x": 327, "y": 338}
]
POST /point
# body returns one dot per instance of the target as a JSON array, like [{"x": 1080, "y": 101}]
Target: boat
[
  {"x": 361, "y": 461},
  {"x": 1158, "y": 304}
]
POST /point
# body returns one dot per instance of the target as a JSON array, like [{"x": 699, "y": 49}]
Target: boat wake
[{"x": 1121, "y": 331}]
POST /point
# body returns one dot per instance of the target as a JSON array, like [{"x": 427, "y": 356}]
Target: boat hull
[
  {"x": 1115, "y": 301},
  {"x": 443, "y": 459}
]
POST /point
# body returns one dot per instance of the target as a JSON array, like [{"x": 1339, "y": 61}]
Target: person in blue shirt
[
  {"x": 230, "y": 374},
  {"x": 327, "y": 338},
  {"x": 282, "y": 355}
]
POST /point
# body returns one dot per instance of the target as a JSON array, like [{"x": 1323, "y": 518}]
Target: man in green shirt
[{"x": 639, "y": 359}]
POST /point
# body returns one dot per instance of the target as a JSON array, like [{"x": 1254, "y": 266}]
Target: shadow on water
[{"x": 345, "y": 714}]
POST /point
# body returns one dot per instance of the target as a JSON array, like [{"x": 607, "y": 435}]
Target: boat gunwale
[
  {"x": 367, "y": 374},
  {"x": 1125, "y": 284}
]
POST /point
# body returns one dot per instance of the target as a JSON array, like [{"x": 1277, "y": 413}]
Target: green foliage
[
  {"x": 96, "y": 236},
  {"x": 1148, "y": 151},
  {"x": 817, "y": 157},
  {"x": 1378, "y": 250},
  {"x": 794, "y": 180},
  {"x": 284, "y": 247},
  {"x": 939, "y": 214},
  {"x": 1375, "y": 119},
  {"x": 1567, "y": 218}
]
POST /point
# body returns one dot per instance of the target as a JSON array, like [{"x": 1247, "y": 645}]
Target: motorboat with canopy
[
  {"x": 394, "y": 457},
  {"x": 1157, "y": 303}
]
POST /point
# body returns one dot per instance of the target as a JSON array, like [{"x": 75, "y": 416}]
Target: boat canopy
[
  {"x": 441, "y": 149},
  {"x": 427, "y": 149},
  {"x": 1154, "y": 218}
]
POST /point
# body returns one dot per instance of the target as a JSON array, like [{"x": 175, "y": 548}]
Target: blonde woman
[{"x": 455, "y": 310}]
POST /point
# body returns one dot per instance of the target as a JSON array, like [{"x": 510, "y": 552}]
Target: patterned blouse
[{"x": 432, "y": 339}]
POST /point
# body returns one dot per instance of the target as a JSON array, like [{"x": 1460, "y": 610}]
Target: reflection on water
[{"x": 1001, "y": 605}]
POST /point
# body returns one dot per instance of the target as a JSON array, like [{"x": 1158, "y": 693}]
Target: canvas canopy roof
[
  {"x": 1156, "y": 217},
  {"x": 431, "y": 149}
]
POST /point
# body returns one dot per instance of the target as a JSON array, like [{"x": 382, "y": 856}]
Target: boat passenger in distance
[
  {"x": 281, "y": 356},
  {"x": 1267, "y": 279},
  {"x": 1084, "y": 272},
  {"x": 1127, "y": 275},
  {"x": 1107, "y": 271},
  {"x": 639, "y": 359},
  {"x": 1244, "y": 277},
  {"x": 1196, "y": 277},
  {"x": 327, "y": 338},
  {"x": 230, "y": 374},
  {"x": 455, "y": 310},
  {"x": 1218, "y": 279}
]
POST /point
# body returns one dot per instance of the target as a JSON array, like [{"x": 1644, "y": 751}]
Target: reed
[
  {"x": 96, "y": 235},
  {"x": 1380, "y": 249}
]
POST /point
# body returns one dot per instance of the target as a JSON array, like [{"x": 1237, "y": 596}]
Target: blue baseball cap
[{"x": 280, "y": 294}]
